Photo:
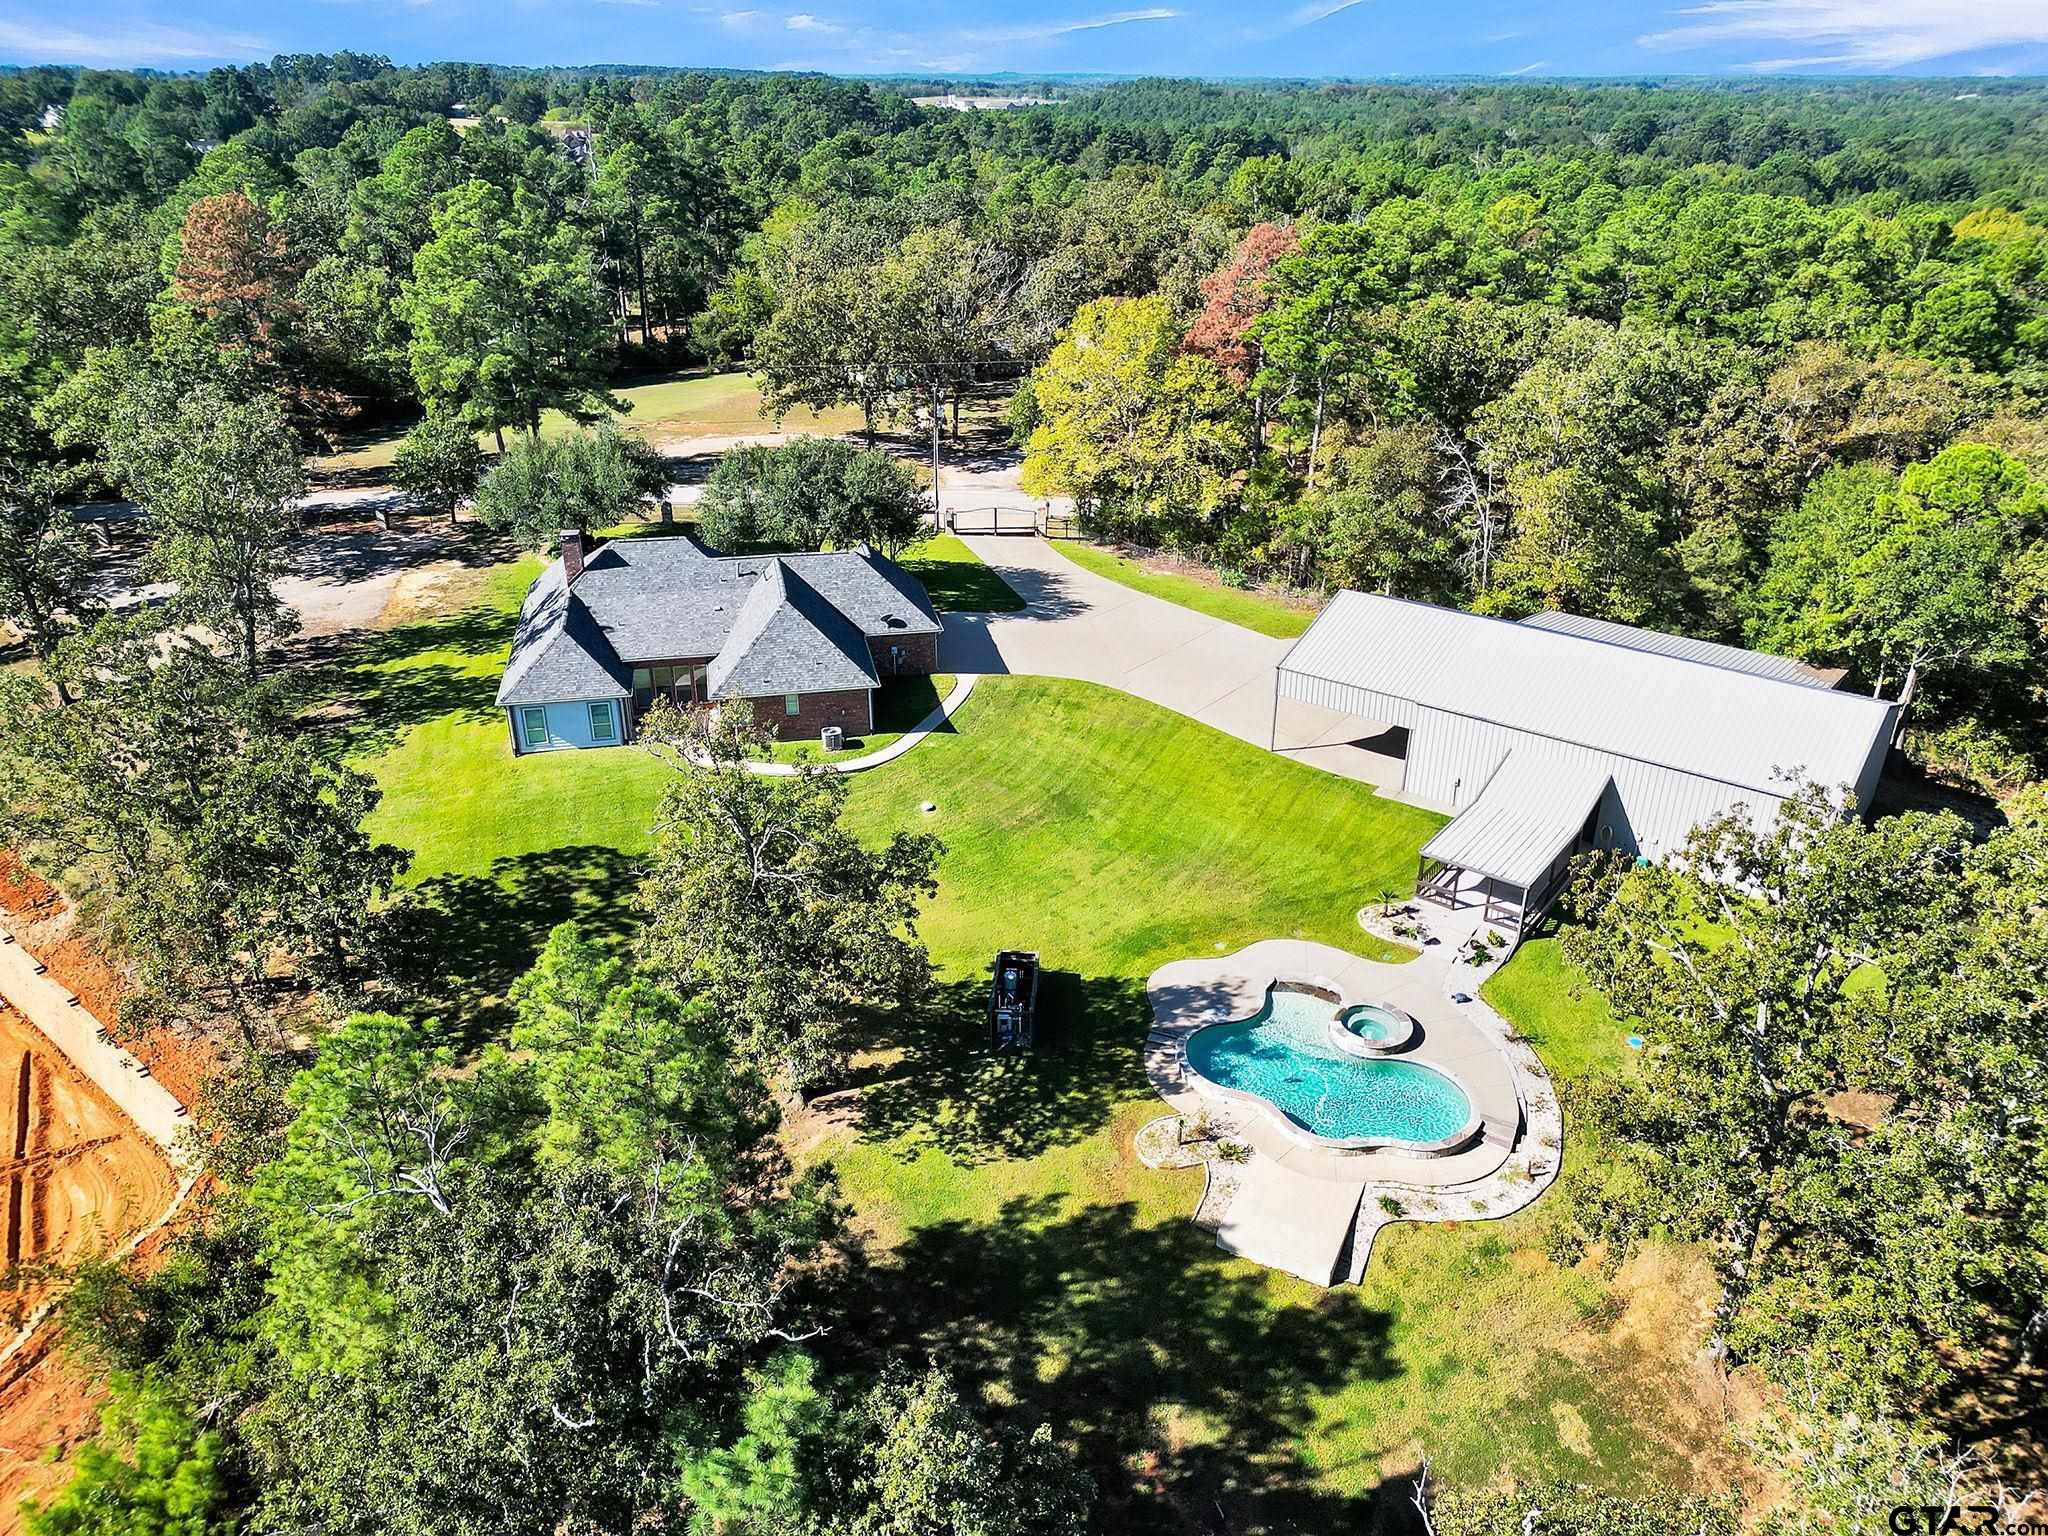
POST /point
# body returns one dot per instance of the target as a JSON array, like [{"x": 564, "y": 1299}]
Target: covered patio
[{"x": 1509, "y": 852}]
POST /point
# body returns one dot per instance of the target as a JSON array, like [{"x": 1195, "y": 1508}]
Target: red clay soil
[
  {"x": 76, "y": 1179},
  {"x": 42, "y": 918}
]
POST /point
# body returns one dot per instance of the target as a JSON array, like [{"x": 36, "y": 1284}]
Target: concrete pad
[
  {"x": 1080, "y": 625},
  {"x": 1287, "y": 1222},
  {"x": 1188, "y": 994}
]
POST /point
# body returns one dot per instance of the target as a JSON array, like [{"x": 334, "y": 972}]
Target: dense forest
[
  {"x": 1761, "y": 363},
  {"x": 1671, "y": 354}
]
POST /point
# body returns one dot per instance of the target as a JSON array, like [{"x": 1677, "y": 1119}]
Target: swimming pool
[{"x": 1284, "y": 1055}]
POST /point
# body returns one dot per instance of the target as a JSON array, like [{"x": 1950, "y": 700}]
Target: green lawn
[
  {"x": 1550, "y": 1001},
  {"x": 1254, "y": 610},
  {"x": 957, "y": 579},
  {"x": 1010, "y": 1233}
]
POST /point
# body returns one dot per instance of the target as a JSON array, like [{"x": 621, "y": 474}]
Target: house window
[
  {"x": 602, "y": 729},
  {"x": 791, "y": 703},
  {"x": 533, "y": 720}
]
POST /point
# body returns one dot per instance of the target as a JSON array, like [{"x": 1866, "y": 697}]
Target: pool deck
[{"x": 1303, "y": 1205}]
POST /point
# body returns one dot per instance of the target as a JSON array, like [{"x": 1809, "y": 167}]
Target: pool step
[{"x": 1499, "y": 1133}]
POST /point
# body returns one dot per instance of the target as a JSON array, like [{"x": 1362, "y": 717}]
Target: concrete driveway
[{"x": 1080, "y": 625}]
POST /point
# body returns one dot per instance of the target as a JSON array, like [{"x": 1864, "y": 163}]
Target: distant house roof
[
  {"x": 1736, "y": 727},
  {"x": 767, "y": 624},
  {"x": 1732, "y": 658}
]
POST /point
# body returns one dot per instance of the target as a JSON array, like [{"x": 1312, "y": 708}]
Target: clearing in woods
[{"x": 80, "y": 1181}]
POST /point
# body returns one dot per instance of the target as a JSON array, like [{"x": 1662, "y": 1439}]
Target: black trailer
[{"x": 1013, "y": 1001}]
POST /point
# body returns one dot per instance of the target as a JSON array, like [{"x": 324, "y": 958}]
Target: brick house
[{"x": 608, "y": 629}]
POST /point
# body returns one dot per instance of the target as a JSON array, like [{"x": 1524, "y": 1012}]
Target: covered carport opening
[
  {"x": 1510, "y": 851},
  {"x": 1323, "y": 717}
]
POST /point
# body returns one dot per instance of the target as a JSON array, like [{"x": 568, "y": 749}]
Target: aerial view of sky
[{"x": 1505, "y": 38}]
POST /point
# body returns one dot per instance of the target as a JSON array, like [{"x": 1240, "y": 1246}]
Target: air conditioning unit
[{"x": 832, "y": 738}]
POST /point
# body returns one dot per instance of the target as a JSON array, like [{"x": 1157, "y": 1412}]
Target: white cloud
[
  {"x": 1528, "y": 69},
  {"x": 1046, "y": 31},
  {"x": 117, "y": 44},
  {"x": 1301, "y": 16},
  {"x": 1309, "y": 15},
  {"x": 739, "y": 21},
  {"x": 1859, "y": 34},
  {"x": 804, "y": 22}
]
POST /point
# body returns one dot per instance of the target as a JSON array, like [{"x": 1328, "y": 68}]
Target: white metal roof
[
  {"x": 1527, "y": 815},
  {"x": 1731, "y": 657},
  {"x": 1733, "y": 727}
]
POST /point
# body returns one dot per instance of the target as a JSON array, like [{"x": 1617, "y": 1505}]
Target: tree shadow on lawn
[
  {"x": 1187, "y": 1387},
  {"x": 458, "y": 942},
  {"x": 949, "y": 1090},
  {"x": 963, "y": 586},
  {"x": 372, "y": 689}
]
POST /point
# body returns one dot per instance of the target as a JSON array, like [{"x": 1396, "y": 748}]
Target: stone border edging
[
  {"x": 1537, "y": 1156},
  {"x": 1528, "y": 1165}
]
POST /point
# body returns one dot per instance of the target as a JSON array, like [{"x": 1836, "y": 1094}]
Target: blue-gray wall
[{"x": 568, "y": 726}]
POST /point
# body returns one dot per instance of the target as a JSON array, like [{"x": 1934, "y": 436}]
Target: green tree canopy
[
  {"x": 812, "y": 493},
  {"x": 439, "y": 465},
  {"x": 506, "y": 322},
  {"x": 1841, "y": 1036},
  {"x": 758, "y": 898},
  {"x": 1145, "y": 439},
  {"x": 584, "y": 480}
]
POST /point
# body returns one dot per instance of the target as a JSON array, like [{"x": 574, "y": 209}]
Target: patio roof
[{"x": 1529, "y": 813}]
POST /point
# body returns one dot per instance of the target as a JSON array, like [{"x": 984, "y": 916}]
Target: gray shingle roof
[
  {"x": 669, "y": 599},
  {"x": 788, "y": 639},
  {"x": 559, "y": 652}
]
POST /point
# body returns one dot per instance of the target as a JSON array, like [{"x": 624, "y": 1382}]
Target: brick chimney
[{"x": 572, "y": 555}]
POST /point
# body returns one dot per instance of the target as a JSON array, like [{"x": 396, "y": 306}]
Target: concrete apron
[{"x": 1080, "y": 625}]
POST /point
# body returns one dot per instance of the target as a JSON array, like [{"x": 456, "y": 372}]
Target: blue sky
[{"x": 1202, "y": 37}]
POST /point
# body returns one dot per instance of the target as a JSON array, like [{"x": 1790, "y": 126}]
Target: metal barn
[{"x": 1555, "y": 734}]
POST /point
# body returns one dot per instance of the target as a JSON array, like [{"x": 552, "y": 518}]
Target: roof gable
[
  {"x": 558, "y": 651},
  {"x": 788, "y": 639}
]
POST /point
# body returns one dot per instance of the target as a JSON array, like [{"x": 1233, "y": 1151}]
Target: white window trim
[
  {"x": 792, "y": 704},
  {"x": 544, "y": 739},
  {"x": 601, "y": 709}
]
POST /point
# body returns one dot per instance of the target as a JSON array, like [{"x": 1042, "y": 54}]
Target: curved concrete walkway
[
  {"x": 1312, "y": 1211},
  {"x": 963, "y": 685},
  {"x": 1081, "y": 625}
]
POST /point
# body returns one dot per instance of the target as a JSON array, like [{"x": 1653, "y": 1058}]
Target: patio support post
[{"x": 1273, "y": 732}]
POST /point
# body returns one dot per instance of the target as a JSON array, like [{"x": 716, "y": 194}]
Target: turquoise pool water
[
  {"x": 1284, "y": 1055},
  {"x": 1369, "y": 1021}
]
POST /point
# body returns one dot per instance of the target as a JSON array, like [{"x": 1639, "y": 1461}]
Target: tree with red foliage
[
  {"x": 1236, "y": 294},
  {"x": 235, "y": 270}
]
